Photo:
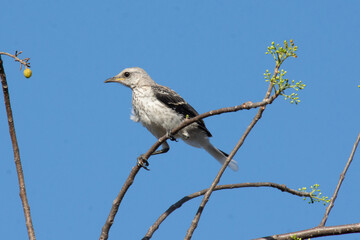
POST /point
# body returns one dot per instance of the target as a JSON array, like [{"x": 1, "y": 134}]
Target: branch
[
  {"x": 316, "y": 232},
  {"x": 15, "y": 56},
  {"x": 115, "y": 207},
  {"x": 147, "y": 155},
  {"x": 231, "y": 155},
  {"x": 26, "y": 207},
  {"x": 342, "y": 176},
  {"x": 186, "y": 122},
  {"x": 179, "y": 203}
]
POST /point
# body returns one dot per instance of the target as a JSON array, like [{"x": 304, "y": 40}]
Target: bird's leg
[
  {"x": 170, "y": 136},
  {"x": 142, "y": 162},
  {"x": 164, "y": 148}
]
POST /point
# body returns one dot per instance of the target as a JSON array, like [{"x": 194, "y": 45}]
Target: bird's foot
[
  {"x": 171, "y": 137},
  {"x": 142, "y": 162}
]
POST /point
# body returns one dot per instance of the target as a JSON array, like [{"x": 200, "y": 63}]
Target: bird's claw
[
  {"x": 171, "y": 137},
  {"x": 142, "y": 162}
]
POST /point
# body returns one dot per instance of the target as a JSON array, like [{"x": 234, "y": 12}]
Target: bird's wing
[{"x": 173, "y": 100}]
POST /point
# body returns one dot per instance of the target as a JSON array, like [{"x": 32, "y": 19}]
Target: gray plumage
[{"x": 160, "y": 109}]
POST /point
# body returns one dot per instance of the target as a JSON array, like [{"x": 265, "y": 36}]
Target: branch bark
[
  {"x": 179, "y": 203},
  {"x": 26, "y": 206}
]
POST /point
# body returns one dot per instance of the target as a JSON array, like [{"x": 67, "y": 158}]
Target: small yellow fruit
[{"x": 27, "y": 73}]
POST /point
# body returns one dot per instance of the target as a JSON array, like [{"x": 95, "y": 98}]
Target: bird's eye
[{"x": 126, "y": 74}]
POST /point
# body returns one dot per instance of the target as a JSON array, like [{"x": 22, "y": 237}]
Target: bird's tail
[{"x": 220, "y": 156}]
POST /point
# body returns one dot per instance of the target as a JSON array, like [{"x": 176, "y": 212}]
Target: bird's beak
[{"x": 114, "y": 79}]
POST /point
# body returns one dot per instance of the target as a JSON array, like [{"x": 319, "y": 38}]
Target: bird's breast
[{"x": 154, "y": 115}]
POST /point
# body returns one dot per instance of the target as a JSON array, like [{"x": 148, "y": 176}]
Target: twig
[
  {"x": 24, "y": 61},
  {"x": 316, "y": 232},
  {"x": 147, "y": 155},
  {"x": 179, "y": 203},
  {"x": 26, "y": 207},
  {"x": 342, "y": 176},
  {"x": 207, "y": 195}
]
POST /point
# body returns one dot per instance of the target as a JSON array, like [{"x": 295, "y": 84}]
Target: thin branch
[
  {"x": 26, "y": 207},
  {"x": 115, "y": 207},
  {"x": 179, "y": 203},
  {"x": 24, "y": 61},
  {"x": 147, "y": 155},
  {"x": 342, "y": 176},
  {"x": 316, "y": 232},
  {"x": 207, "y": 195}
]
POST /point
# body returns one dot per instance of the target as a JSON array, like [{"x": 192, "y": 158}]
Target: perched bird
[{"x": 160, "y": 109}]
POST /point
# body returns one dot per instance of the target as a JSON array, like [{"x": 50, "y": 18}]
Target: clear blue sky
[{"x": 78, "y": 144}]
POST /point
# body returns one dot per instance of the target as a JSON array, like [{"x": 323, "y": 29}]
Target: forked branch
[
  {"x": 179, "y": 203},
  {"x": 22, "y": 62},
  {"x": 280, "y": 54},
  {"x": 116, "y": 203}
]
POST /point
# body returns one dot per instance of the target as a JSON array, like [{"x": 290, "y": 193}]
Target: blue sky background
[{"x": 77, "y": 143}]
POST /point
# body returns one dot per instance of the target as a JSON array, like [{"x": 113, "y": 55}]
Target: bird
[{"x": 160, "y": 109}]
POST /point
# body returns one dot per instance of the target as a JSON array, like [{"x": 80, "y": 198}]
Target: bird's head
[{"x": 132, "y": 77}]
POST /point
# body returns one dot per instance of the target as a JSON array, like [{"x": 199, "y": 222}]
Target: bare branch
[
  {"x": 316, "y": 232},
  {"x": 207, "y": 195},
  {"x": 117, "y": 201},
  {"x": 179, "y": 203},
  {"x": 24, "y": 61},
  {"x": 147, "y": 155},
  {"x": 342, "y": 176},
  {"x": 26, "y": 207}
]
